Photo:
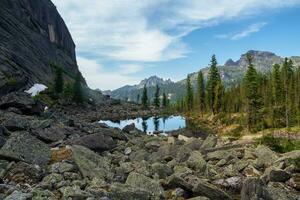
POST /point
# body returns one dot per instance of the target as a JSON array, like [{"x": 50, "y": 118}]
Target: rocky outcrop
[{"x": 32, "y": 36}]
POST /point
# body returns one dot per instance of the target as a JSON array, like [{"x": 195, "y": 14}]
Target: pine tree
[
  {"x": 156, "y": 101},
  {"x": 145, "y": 97},
  {"x": 77, "y": 90},
  {"x": 59, "y": 81},
  {"x": 253, "y": 99},
  {"x": 189, "y": 94},
  {"x": 201, "y": 92},
  {"x": 277, "y": 96},
  {"x": 214, "y": 81},
  {"x": 165, "y": 100},
  {"x": 138, "y": 98}
]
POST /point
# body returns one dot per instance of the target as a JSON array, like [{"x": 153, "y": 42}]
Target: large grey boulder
[
  {"x": 196, "y": 161},
  {"x": 278, "y": 191},
  {"x": 123, "y": 191},
  {"x": 97, "y": 142},
  {"x": 265, "y": 156},
  {"x": 141, "y": 181},
  {"x": 16, "y": 123},
  {"x": 51, "y": 134},
  {"x": 90, "y": 164},
  {"x": 17, "y": 195},
  {"x": 21, "y": 146},
  {"x": 23, "y": 102},
  {"x": 206, "y": 189},
  {"x": 162, "y": 170},
  {"x": 254, "y": 189},
  {"x": 209, "y": 142}
]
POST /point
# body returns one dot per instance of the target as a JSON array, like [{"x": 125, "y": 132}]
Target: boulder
[
  {"x": 4, "y": 164},
  {"x": 21, "y": 146},
  {"x": 17, "y": 195},
  {"x": 254, "y": 189},
  {"x": 23, "y": 102},
  {"x": 16, "y": 123},
  {"x": 51, "y": 134},
  {"x": 129, "y": 128},
  {"x": 97, "y": 142},
  {"x": 122, "y": 191},
  {"x": 209, "y": 142},
  {"x": 22, "y": 173},
  {"x": 141, "y": 181},
  {"x": 90, "y": 164},
  {"x": 206, "y": 189},
  {"x": 62, "y": 167},
  {"x": 281, "y": 192},
  {"x": 196, "y": 161},
  {"x": 162, "y": 170},
  {"x": 278, "y": 175},
  {"x": 175, "y": 181},
  {"x": 265, "y": 156}
]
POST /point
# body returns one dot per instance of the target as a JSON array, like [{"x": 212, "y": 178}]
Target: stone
[
  {"x": 209, "y": 142},
  {"x": 21, "y": 101},
  {"x": 233, "y": 184},
  {"x": 175, "y": 181},
  {"x": 21, "y": 146},
  {"x": 196, "y": 161},
  {"x": 253, "y": 189},
  {"x": 97, "y": 142},
  {"x": 171, "y": 140},
  {"x": 289, "y": 155},
  {"x": 199, "y": 198},
  {"x": 141, "y": 181},
  {"x": 17, "y": 195},
  {"x": 16, "y": 123},
  {"x": 122, "y": 191},
  {"x": 51, "y": 134},
  {"x": 3, "y": 167},
  {"x": 278, "y": 175},
  {"x": 162, "y": 170},
  {"x": 90, "y": 164},
  {"x": 251, "y": 171},
  {"x": 265, "y": 156},
  {"x": 41, "y": 194},
  {"x": 62, "y": 167},
  {"x": 281, "y": 192},
  {"x": 183, "y": 138},
  {"x": 60, "y": 154},
  {"x": 22, "y": 173},
  {"x": 127, "y": 151},
  {"x": 206, "y": 189},
  {"x": 74, "y": 192},
  {"x": 52, "y": 180},
  {"x": 194, "y": 144},
  {"x": 129, "y": 128}
]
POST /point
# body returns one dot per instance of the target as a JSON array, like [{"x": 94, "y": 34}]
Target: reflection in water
[
  {"x": 152, "y": 124},
  {"x": 156, "y": 124},
  {"x": 144, "y": 125}
]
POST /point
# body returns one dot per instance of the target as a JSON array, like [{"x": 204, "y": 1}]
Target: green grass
[{"x": 280, "y": 145}]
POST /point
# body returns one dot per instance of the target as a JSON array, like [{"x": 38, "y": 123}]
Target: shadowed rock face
[{"x": 32, "y": 35}]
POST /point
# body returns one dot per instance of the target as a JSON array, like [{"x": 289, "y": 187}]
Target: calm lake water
[{"x": 152, "y": 124}]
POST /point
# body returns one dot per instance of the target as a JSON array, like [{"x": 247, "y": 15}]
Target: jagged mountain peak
[{"x": 153, "y": 81}]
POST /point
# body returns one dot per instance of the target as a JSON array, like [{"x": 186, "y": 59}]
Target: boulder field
[{"x": 47, "y": 154}]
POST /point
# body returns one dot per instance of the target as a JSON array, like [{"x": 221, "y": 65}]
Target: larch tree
[
  {"x": 201, "y": 92},
  {"x": 189, "y": 94},
  {"x": 145, "y": 97},
  {"x": 156, "y": 101}
]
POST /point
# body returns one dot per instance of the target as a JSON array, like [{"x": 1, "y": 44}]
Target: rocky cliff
[{"x": 32, "y": 36}]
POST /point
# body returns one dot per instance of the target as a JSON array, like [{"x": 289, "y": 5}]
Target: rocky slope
[
  {"x": 231, "y": 72},
  {"x": 46, "y": 154},
  {"x": 32, "y": 36}
]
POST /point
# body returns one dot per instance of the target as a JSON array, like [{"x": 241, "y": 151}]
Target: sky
[{"x": 121, "y": 42}]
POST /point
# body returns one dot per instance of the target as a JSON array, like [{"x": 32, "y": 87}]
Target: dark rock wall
[{"x": 32, "y": 35}]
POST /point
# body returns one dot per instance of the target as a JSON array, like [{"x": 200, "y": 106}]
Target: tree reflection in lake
[
  {"x": 144, "y": 125},
  {"x": 156, "y": 124}
]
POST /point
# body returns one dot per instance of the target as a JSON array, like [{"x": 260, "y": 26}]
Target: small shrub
[
  {"x": 11, "y": 81},
  {"x": 280, "y": 145}
]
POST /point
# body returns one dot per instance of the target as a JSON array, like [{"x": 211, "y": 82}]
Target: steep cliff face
[{"x": 32, "y": 36}]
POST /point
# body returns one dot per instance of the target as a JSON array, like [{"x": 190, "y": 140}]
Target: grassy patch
[{"x": 280, "y": 145}]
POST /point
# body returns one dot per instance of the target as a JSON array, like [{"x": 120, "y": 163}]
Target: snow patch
[{"x": 36, "y": 89}]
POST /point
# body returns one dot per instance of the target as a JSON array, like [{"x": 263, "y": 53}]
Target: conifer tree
[
  {"x": 138, "y": 98},
  {"x": 156, "y": 101},
  {"x": 253, "y": 99},
  {"x": 201, "y": 92},
  {"x": 214, "y": 81},
  {"x": 165, "y": 100},
  {"x": 189, "y": 94},
  {"x": 277, "y": 96},
  {"x": 77, "y": 90},
  {"x": 145, "y": 97},
  {"x": 59, "y": 81}
]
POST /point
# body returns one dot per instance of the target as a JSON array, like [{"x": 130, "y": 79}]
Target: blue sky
[{"x": 123, "y": 41}]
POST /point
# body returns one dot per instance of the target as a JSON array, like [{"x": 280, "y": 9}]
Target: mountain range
[{"x": 231, "y": 72}]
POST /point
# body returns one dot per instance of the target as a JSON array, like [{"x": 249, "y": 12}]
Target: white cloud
[
  {"x": 97, "y": 77},
  {"x": 251, "y": 29}
]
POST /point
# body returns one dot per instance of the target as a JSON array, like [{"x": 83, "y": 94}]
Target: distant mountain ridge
[{"x": 231, "y": 73}]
